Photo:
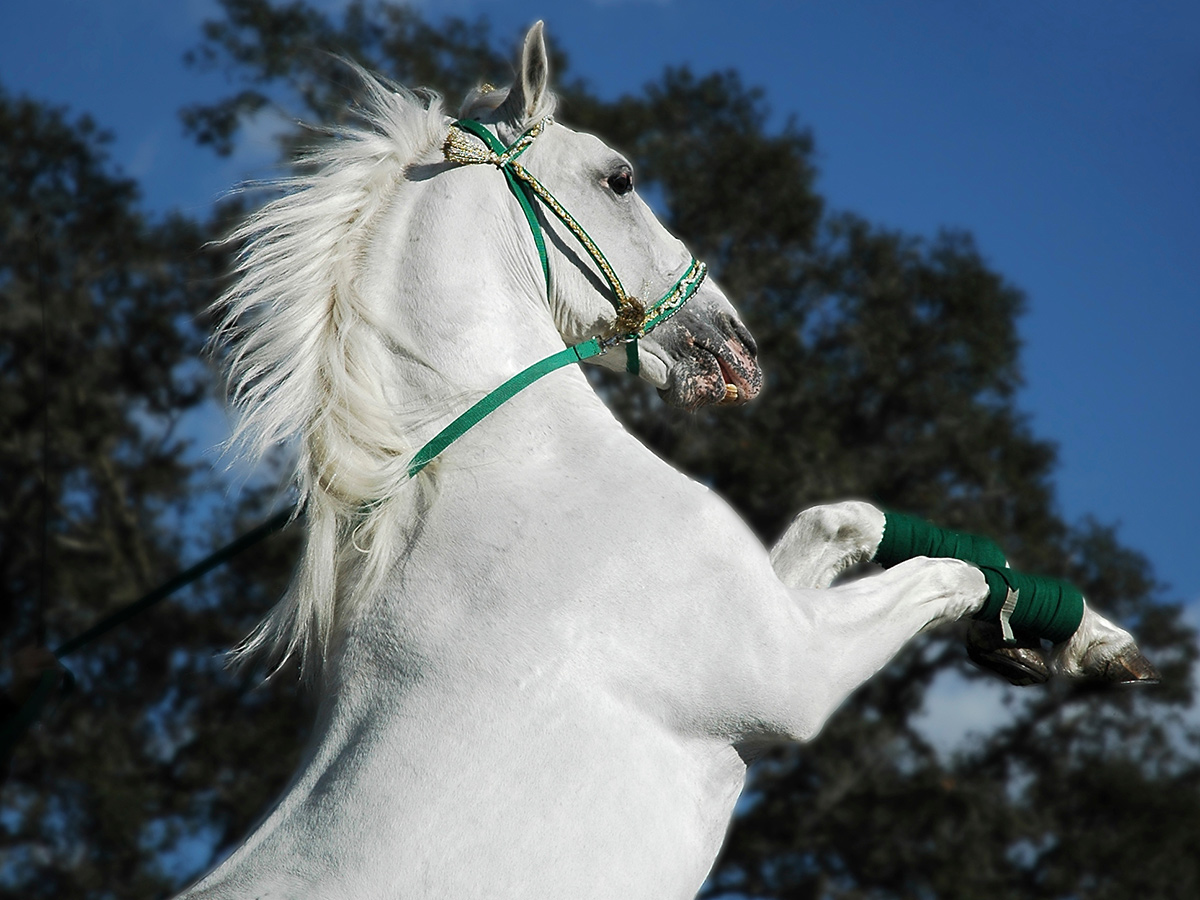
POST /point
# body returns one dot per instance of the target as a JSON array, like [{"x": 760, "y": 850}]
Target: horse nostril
[{"x": 742, "y": 334}]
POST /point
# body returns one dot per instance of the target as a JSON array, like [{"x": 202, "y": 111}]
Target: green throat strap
[
  {"x": 502, "y": 394},
  {"x": 633, "y": 320}
]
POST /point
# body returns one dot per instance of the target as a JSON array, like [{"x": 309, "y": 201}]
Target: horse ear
[{"x": 535, "y": 70}]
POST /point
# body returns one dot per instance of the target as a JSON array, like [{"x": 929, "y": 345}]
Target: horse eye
[{"x": 621, "y": 182}]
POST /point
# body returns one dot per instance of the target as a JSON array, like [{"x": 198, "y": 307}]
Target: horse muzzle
[{"x": 715, "y": 361}]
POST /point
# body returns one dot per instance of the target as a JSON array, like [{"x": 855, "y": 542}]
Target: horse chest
[{"x": 536, "y": 790}]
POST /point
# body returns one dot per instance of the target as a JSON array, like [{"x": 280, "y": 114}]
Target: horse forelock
[{"x": 307, "y": 365}]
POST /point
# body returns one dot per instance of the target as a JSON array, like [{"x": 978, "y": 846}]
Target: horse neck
[{"x": 456, "y": 288}]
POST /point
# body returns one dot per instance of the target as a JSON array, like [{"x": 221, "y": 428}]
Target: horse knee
[{"x": 823, "y": 541}]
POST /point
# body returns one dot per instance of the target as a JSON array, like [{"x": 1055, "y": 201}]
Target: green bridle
[{"x": 633, "y": 320}]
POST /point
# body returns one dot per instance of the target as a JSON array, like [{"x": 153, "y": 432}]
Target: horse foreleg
[
  {"x": 822, "y": 542},
  {"x": 837, "y": 638}
]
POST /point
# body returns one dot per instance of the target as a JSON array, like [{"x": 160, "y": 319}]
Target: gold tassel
[{"x": 461, "y": 149}]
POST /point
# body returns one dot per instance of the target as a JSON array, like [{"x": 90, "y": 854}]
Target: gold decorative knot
[{"x": 630, "y": 316}]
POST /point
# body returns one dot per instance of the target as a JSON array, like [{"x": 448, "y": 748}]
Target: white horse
[{"x": 543, "y": 660}]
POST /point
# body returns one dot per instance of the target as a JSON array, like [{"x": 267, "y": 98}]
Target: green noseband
[{"x": 633, "y": 320}]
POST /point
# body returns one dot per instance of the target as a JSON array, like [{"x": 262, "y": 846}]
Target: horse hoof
[
  {"x": 1130, "y": 667},
  {"x": 1022, "y": 663}
]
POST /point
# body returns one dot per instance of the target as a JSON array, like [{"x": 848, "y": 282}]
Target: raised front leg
[
  {"x": 824, "y": 541},
  {"x": 835, "y": 639}
]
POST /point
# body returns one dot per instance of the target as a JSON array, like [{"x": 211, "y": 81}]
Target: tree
[
  {"x": 892, "y": 362},
  {"x": 100, "y": 359}
]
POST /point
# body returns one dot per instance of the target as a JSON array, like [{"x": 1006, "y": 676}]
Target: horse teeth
[{"x": 731, "y": 393}]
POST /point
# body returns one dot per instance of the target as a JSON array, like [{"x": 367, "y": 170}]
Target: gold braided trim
[
  {"x": 522, "y": 143},
  {"x": 466, "y": 149},
  {"x": 631, "y": 317},
  {"x": 576, "y": 229},
  {"x": 463, "y": 149},
  {"x": 673, "y": 301}
]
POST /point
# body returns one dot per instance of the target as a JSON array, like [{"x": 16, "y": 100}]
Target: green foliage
[
  {"x": 893, "y": 364},
  {"x": 99, "y": 360}
]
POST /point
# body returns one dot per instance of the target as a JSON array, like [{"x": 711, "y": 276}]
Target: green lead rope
[
  {"x": 1031, "y": 604},
  {"x": 12, "y": 729}
]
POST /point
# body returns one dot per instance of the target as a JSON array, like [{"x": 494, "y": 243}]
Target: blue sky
[{"x": 1064, "y": 135}]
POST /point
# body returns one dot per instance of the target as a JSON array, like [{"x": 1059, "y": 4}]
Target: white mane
[{"x": 307, "y": 363}]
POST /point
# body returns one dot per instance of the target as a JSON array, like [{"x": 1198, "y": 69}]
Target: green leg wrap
[
  {"x": 1036, "y": 606},
  {"x": 1043, "y": 607},
  {"x": 907, "y": 536}
]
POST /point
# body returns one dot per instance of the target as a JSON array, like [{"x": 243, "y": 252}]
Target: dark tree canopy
[
  {"x": 99, "y": 361},
  {"x": 893, "y": 363}
]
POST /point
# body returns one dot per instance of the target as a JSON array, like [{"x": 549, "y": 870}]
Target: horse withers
[{"x": 542, "y": 654}]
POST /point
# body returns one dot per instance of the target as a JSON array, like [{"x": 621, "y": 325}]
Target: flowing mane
[
  {"x": 309, "y": 364},
  {"x": 306, "y": 363},
  {"x": 298, "y": 362}
]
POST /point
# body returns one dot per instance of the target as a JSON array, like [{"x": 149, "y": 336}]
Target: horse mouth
[{"x": 710, "y": 372}]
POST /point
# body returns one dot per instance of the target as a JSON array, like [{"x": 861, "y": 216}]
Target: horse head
[{"x": 700, "y": 356}]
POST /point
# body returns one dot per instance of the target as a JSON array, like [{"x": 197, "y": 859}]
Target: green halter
[{"x": 633, "y": 320}]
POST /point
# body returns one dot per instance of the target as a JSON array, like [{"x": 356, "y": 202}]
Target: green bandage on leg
[
  {"x": 907, "y": 536},
  {"x": 1043, "y": 607}
]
